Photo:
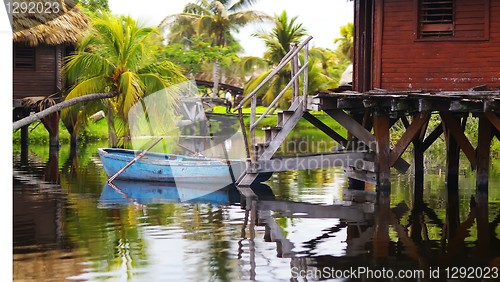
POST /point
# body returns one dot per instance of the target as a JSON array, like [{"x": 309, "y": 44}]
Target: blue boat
[{"x": 170, "y": 167}]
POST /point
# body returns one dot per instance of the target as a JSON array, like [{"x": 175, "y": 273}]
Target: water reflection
[{"x": 70, "y": 225}]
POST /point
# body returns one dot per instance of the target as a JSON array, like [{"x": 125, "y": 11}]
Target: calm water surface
[{"x": 70, "y": 226}]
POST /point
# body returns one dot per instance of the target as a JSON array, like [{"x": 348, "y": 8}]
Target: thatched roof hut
[
  {"x": 41, "y": 41},
  {"x": 50, "y": 28}
]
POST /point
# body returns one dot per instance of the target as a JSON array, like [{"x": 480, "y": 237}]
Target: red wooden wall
[
  {"x": 42, "y": 80},
  {"x": 402, "y": 61}
]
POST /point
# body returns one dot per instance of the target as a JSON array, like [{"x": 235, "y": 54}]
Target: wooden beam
[
  {"x": 363, "y": 135},
  {"x": 494, "y": 120},
  {"x": 409, "y": 135},
  {"x": 352, "y": 159},
  {"x": 325, "y": 128},
  {"x": 455, "y": 129},
  {"x": 382, "y": 161},
  {"x": 483, "y": 154},
  {"x": 432, "y": 137}
]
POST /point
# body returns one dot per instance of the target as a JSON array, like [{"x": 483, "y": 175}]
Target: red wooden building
[{"x": 431, "y": 45}]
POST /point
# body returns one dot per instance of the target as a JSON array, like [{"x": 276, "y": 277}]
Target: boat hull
[{"x": 169, "y": 168}]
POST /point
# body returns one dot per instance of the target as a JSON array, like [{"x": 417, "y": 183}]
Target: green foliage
[
  {"x": 288, "y": 31},
  {"x": 192, "y": 58},
  {"x": 93, "y": 7},
  {"x": 214, "y": 21},
  {"x": 118, "y": 55},
  {"x": 346, "y": 42}
]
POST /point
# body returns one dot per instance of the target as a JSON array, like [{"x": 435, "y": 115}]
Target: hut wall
[
  {"x": 40, "y": 79},
  {"x": 405, "y": 60}
]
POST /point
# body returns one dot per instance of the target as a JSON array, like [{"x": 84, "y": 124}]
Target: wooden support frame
[
  {"x": 455, "y": 129},
  {"x": 381, "y": 127},
  {"x": 432, "y": 136},
  {"x": 363, "y": 135},
  {"x": 409, "y": 135},
  {"x": 325, "y": 128}
]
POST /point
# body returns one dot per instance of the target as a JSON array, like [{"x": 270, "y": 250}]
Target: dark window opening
[
  {"x": 436, "y": 18},
  {"x": 24, "y": 57}
]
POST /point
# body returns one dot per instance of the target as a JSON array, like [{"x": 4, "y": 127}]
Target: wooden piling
[
  {"x": 452, "y": 161},
  {"x": 483, "y": 154},
  {"x": 381, "y": 127}
]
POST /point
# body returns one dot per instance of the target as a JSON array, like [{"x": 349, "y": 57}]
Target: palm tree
[
  {"x": 285, "y": 33},
  {"x": 119, "y": 56},
  {"x": 346, "y": 42},
  {"x": 213, "y": 20}
]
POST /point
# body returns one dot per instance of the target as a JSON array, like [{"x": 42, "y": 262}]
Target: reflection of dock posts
[
  {"x": 51, "y": 170},
  {"x": 483, "y": 226},
  {"x": 381, "y": 234},
  {"x": 382, "y": 135},
  {"x": 452, "y": 213}
]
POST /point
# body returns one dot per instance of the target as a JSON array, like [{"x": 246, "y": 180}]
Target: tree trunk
[
  {"x": 112, "y": 136},
  {"x": 57, "y": 107},
  {"x": 216, "y": 78}
]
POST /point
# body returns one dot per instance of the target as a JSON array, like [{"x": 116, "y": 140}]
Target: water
[{"x": 70, "y": 226}]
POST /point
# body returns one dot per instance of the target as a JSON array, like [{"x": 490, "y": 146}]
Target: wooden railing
[{"x": 297, "y": 69}]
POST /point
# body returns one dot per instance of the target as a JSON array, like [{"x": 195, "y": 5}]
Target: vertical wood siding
[
  {"x": 458, "y": 64},
  {"x": 40, "y": 81}
]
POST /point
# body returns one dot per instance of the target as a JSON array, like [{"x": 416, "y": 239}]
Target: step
[
  {"x": 261, "y": 147},
  {"x": 247, "y": 179},
  {"x": 283, "y": 116},
  {"x": 271, "y": 132}
]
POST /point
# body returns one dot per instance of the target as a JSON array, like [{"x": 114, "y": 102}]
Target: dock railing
[{"x": 297, "y": 69}]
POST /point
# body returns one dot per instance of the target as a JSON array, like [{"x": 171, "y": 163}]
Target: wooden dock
[{"x": 368, "y": 118}]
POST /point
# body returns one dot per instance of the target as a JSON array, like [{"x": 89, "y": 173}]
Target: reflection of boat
[
  {"x": 124, "y": 192},
  {"x": 169, "y": 167}
]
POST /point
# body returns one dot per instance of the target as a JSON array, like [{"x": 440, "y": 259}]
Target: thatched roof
[{"x": 50, "y": 28}]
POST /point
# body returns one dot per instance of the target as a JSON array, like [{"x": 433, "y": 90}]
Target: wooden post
[
  {"x": 452, "y": 161},
  {"x": 353, "y": 144},
  {"x": 483, "y": 154},
  {"x": 418, "y": 165},
  {"x": 418, "y": 171},
  {"x": 382, "y": 138}
]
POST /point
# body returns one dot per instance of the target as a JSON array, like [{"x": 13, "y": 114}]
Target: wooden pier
[{"x": 368, "y": 118}]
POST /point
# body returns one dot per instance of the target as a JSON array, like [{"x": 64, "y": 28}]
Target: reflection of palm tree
[
  {"x": 214, "y": 21},
  {"x": 118, "y": 56}
]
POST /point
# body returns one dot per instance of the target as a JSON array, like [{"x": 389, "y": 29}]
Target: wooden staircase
[
  {"x": 274, "y": 137},
  {"x": 286, "y": 119}
]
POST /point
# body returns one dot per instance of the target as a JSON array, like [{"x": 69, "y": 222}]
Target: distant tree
[
  {"x": 215, "y": 22},
  {"x": 346, "y": 42},
  {"x": 278, "y": 41},
  {"x": 94, "y": 6}
]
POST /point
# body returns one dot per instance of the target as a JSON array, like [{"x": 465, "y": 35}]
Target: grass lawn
[{"x": 98, "y": 131}]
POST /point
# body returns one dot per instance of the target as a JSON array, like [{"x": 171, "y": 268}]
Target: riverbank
[{"x": 98, "y": 131}]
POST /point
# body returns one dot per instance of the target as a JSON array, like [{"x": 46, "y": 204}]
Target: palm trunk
[
  {"x": 216, "y": 78},
  {"x": 112, "y": 136},
  {"x": 57, "y": 107}
]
